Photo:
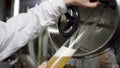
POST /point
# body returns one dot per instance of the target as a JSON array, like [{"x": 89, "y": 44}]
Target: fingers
[
  {"x": 82, "y": 3},
  {"x": 43, "y": 65},
  {"x": 92, "y": 4},
  {"x": 87, "y": 3}
]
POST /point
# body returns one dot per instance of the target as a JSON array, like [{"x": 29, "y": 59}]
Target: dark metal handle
[{"x": 71, "y": 24}]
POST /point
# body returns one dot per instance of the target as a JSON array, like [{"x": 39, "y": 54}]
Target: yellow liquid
[{"x": 58, "y": 62}]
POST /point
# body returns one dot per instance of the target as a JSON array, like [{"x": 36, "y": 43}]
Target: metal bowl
[{"x": 99, "y": 26}]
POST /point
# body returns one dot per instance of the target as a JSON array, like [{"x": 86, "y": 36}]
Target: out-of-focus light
[
  {"x": 52, "y": 30},
  {"x": 16, "y": 7}
]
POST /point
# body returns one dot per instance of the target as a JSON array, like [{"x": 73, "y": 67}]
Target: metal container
[{"x": 99, "y": 25}]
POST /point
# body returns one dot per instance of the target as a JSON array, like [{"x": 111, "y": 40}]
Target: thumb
[
  {"x": 93, "y": 4},
  {"x": 43, "y": 65}
]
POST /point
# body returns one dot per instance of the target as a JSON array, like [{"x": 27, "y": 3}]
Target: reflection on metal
[
  {"x": 31, "y": 52},
  {"x": 118, "y": 5},
  {"x": 98, "y": 26}
]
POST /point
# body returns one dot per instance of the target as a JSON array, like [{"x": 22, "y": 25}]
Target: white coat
[{"x": 16, "y": 32}]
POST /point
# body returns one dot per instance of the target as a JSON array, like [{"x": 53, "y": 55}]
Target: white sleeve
[{"x": 16, "y": 32}]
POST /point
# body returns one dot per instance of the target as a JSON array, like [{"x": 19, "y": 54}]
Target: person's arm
[{"x": 16, "y": 32}]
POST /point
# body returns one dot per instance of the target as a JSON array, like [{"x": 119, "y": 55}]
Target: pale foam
[{"x": 64, "y": 51}]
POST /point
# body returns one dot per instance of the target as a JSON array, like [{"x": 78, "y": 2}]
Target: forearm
[{"x": 20, "y": 29}]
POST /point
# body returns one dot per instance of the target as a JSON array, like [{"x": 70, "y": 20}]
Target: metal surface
[{"x": 99, "y": 26}]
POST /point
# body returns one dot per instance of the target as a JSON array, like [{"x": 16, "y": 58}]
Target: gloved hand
[{"x": 82, "y": 3}]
